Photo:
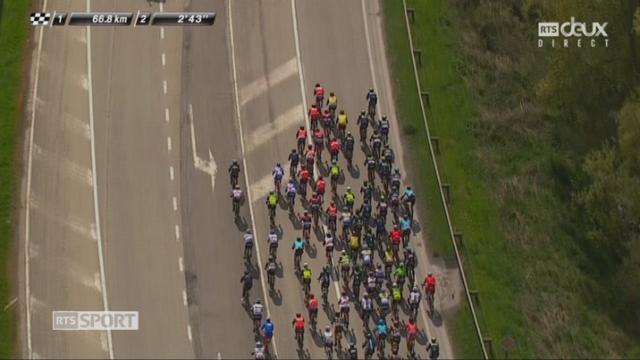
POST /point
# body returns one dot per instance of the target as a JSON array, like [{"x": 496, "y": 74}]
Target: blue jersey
[
  {"x": 382, "y": 329},
  {"x": 267, "y": 329},
  {"x": 405, "y": 224},
  {"x": 298, "y": 245},
  {"x": 278, "y": 173},
  {"x": 291, "y": 190},
  {"x": 408, "y": 194}
]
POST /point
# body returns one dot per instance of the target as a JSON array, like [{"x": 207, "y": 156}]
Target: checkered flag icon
[{"x": 40, "y": 19}]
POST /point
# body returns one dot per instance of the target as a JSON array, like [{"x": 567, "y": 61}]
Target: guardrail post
[
  {"x": 488, "y": 344},
  {"x": 411, "y": 12},
  {"x": 458, "y": 238},
  {"x": 426, "y": 98},
  {"x": 435, "y": 141},
  {"x": 447, "y": 193},
  {"x": 417, "y": 53}
]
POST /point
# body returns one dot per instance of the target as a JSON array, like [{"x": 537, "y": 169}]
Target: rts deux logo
[{"x": 572, "y": 33}]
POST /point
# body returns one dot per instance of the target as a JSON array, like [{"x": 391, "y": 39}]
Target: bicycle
[
  {"x": 430, "y": 301},
  {"x": 300, "y": 338},
  {"x": 271, "y": 279},
  {"x": 332, "y": 223},
  {"x": 236, "y": 207},
  {"x": 306, "y": 287},
  {"x": 291, "y": 199},
  {"x": 296, "y": 260},
  {"x": 325, "y": 292},
  {"x": 248, "y": 250},
  {"x": 301, "y": 144},
  {"x": 411, "y": 345},
  {"x": 273, "y": 249},
  {"x": 272, "y": 215},
  {"x": 328, "y": 350},
  {"x": 372, "y": 111},
  {"x": 256, "y": 323},
  {"x": 334, "y": 184}
]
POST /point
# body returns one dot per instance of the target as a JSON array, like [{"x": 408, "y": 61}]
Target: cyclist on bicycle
[
  {"x": 334, "y": 149},
  {"x": 256, "y": 312},
  {"x": 339, "y": 327},
  {"x": 328, "y": 245},
  {"x": 345, "y": 263},
  {"x": 369, "y": 346},
  {"x": 363, "y": 124},
  {"x": 349, "y": 199},
  {"x": 306, "y": 220},
  {"x": 395, "y": 336},
  {"x": 298, "y": 325},
  {"x": 380, "y": 275},
  {"x": 345, "y": 218},
  {"x": 388, "y": 261},
  {"x": 376, "y": 143},
  {"x": 342, "y": 121},
  {"x": 381, "y": 331},
  {"x": 383, "y": 127},
  {"x": 395, "y": 236},
  {"x": 325, "y": 280},
  {"x": 267, "y": 330},
  {"x": 234, "y": 172},
  {"x": 291, "y": 193},
  {"x": 372, "y": 98},
  {"x": 366, "y": 306},
  {"x": 312, "y": 306},
  {"x": 433, "y": 349},
  {"x": 320, "y": 187},
  {"x": 247, "y": 283},
  {"x": 327, "y": 121},
  {"x": 411, "y": 329},
  {"x": 315, "y": 203},
  {"x": 414, "y": 300},
  {"x": 365, "y": 213},
  {"x": 273, "y": 240},
  {"x": 294, "y": 160},
  {"x": 396, "y": 295},
  {"x": 429, "y": 284},
  {"x": 334, "y": 170},
  {"x": 318, "y": 93},
  {"x": 327, "y": 339},
  {"x": 303, "y": 179},
  {"x": 277, "y": 173},
  {"x": 271, "y": 267},
  {"x": 400, "y": 273},
  {"x": 344, "y": 303},
  {"x": 366, "y": 255},
  {"x": 306, "y": 277},
  {"x": 301, "y": 137},
  {"x": 385, "y": 302},
  {"x": 371, "y": 165},
  {"x": 352, "y": 351},
  {"x": 332, "y": 215},
  {"x": 259, "y": 351},
  {"x": 382, "y": 208},
  {"x": 387, "y": 154},
  {"x": 247, "y": 239},
  {"x": 314, "y": 116},
  {"x": 332, "y": 102},
  {"x": 409, "y": 197},
  {"x": 349, "y": 143},
  {"x": 236, "y": 196},
  {"x": 405, "y": 227},
  {"x": 272, "y": 202},
  {"x": 411, "y": 263},
  {"x": 298, "y": 250},
  {"x": 356, "y": 280},
  {"x": 318, "y": 142}
]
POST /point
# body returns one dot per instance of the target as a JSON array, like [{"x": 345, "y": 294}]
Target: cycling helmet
[
  {"x": 327, "y": 328},
  {"x": 271, "y": 258},
  {"x": 395, "y": 226},
  {"x": 248, "y": 231},
  {"x": 366, "y": 295},
  {"x": 246, "y": 272},
  {"x": 326, "y": 267},
  {"x": 370, "y": 89},
  {"x": 277, "y": 164},
  {"x": 381, "y": 322},
  {"x": 311, "y": 296},
  {"x": 342, "y": 112},
  {"x": 384, "y": 117},
  {"x": 344, "y": 252},
  {"x": 326, "y": 111},
  {"x": 429, "y": 273},
  {"x": 348, "y": 188},
  {"x": 333, "y": 162},
  {"x": 298, "y": 315},
  {"x": 332, "y": 94},
  {"x": 375, "y": 132},
  {"x": 317, "y": 84},
  {"x": 369, "y": 335},
  {"x": 362, "y": 112},
  {"x": 268, "y": 320},
  {"x": 433, "y": 340},
  {"x": 258, "y": 344},
  {"x": 258, "y": 301},
  {"x": 381, "y": 198},
  {"x": 306, "y": 265},
  {"x": 237, "y": 187},
  {"x": 408, "y": 187},
  {"x": 395, "y": 284},
  {"x": 319, "y": 177},
  {"x": 348, "y": 133},
  {"x": 415, "y": 287},
  {"x": 235, "y": 162}
]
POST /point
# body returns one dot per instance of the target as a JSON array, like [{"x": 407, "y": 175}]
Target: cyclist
[
  {"x": 381, "y": 332},
  {"x": 339, "y": 327},
  {"x": 277, "y": 173},
  {"x": 298, "y": 250},
  {"x": 310, "y": 158},
  {"x": 405, "y": 228},
  {"x": 345, "y": 265},
  {"x": 267, "y": 332},
  {"x": 411, "y": 263},
  {"x": 271, "y": 267},
  {"x": 332, "y": 216},
  {"x": 312, "y": 307},
  {"x": 294, "y": 160},
  {"x": 396, "y": 237},
  {"x": 384, "y": 302},
  {"x": 371, "y": 165},
  {"x": 298, "y": 325},
  {"x": 394, "y": 203},
  {"x": 380, "y": 275},
  {"x": 234, "y": 172},
  {"x": 327, "y": 338},
  {"x": 395, "y": 178},
  {"x": 273, "y": 240},
  {"x": 334, "y": 170},
  {"x": 352, "y": 351},
  {"x": 369, "y": 239},
  {"x": 325, "y": 281},
  {"x": 344, "y": 304},
  {"x": 371, "y": 283},
  {"x": 301, "y": 138},
  {"x": 256, "y": 312},
  {"x": 433, "y": 349},
  {"x": 303, "y": 180},
  {"x": 414, "y": 300},
  {"x": 314, "y": 115},
  {"x": 345, "y": 218},
  {"x": 291, "y": 193},
  {"x": 247, "y": 283},
  {"x": 327, "y": 121},
  {"x": 247, "y": 239},
  {"x": 349, "y": 143},
  {"x": 306, "y": 278},
  {"x": 396, "y": 295},
  {"x": 365, "y": 213},
  {"x": 366, "y": 306},
  {"x": 318, "y": 93},
  {"x": 380, "y": 229},
  {"x": 382, "y": 208},
  {"x": 363, "y": 124},
  {"x": 388, "y": 262},
  {"x": 366, "y": 255},
  {"x": 387, "y": 154},
  {"x": 383, "y": 127},
  {"x": 236, "y": 197},
  {"x": 400, "y": 273},
  {"x": 272, "y": 202},
  {"x": 409, "y": 198},
  {"x": 395, "y": 336},
  {"x": 328, "y": 246},
  {"x": 369, "y": 346},
  {"x": 315, "y": 205},
  {"x": 320, "y": 187},
  {"x": 372, "y": 99},
  {"x": 306, "y": 220},
  {"x": 332, "y": 102},
  {"x": 334, "y": 149},
  {"x": 376, "y": 143},
  {"x": 258, "y": 351},
  {"x": 318, "y": 142},
  {"x": 349, "y": 199},
  {"x": 411, "y": 329},
  {"x": 356, "y": 280},
  {"x": 429, "y": 285},
  {"x": 342, "y": 122}
]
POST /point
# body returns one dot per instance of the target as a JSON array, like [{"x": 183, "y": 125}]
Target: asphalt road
[{"x": 133, "y": 212}]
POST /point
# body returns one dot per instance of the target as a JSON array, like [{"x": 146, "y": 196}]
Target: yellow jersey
[
  {"x": 342, "y": 119},
  {"x": 332, "y": 101}
]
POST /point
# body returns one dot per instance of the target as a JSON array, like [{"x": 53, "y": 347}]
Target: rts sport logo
[{"x": 572, "y": 34}]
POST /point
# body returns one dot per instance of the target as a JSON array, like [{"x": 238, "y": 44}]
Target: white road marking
[
  {"x": 184, "y": 297},
  {"x": 181, "y": 264},
  {"x": 78, "y": 126},
  {"x": 177, "y": 232},
  {"x": 244, "y": 165},
  {"x": 164, "y": 59},
  {"x": 261, "y": 188},
  {"x": 95, "y": 183},
  {"x": 83, "y": 81},
  {"x": 175, "y": 204},
  {"x": 161, "y": 7},
  {"x": 166, "y": 114},
  {"x": 104, "y": 343},
  {"x": 162, "y": 33},
  {"x": 10, "y": 304},
  {"x": 189, "y": 332},
  {"x": 169, "y": 143},
  {"x": 164, "y": 86},
  {"x": 268, "y": 131},
  {"x": 27, "y": 248},
  {"x": 171, "y": 174},
  {"x": 259, "y": 86},
  {"x": 210, "y": 167}
]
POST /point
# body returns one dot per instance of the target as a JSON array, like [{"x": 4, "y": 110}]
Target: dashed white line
[
  {"x": 175, "y": 204},
  {"x": 180, "y": 264},
  {"x": 162, "y": 32},
  {"x": 189, "y": 332},
  {"x": 171, "y": 173},
  {"x": 166, "y": 114},
  {"x": 161, "y": 7},
  {"x": 184, "y": 297},
  {"x": 164, "y": 59},
  {"x": 177, "y": 232},
  {"x": 164, "y": 86},
  {"x": 169, "y": 145}
]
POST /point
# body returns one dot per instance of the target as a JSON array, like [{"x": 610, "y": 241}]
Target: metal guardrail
[{"x": 440, "y": 184}]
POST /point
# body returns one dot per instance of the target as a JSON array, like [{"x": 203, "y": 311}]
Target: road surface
[{"x": 127, "y": 196}]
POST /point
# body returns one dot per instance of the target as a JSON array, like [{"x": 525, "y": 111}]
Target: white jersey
[
  {"x": 414, "y": 297},
  {"x": 366, "y": 256},
  {"x": 248, "y": 239},
  {"x": 366, "y": 303},
  {"x": 236, "y": 193},
  {"x": 328, "y": 337},
  {"x": 273, "y": 238},
  {"x": 328, "y": 242},
  {"x": 344, "y": 302},
  {"x": 259, "y": 353},
  {"x": 256, "y": 309}
]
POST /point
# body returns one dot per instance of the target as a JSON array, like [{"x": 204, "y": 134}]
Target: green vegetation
[
  {"x": 13, "y": 36},
  {"x": 540, "y": 146}
]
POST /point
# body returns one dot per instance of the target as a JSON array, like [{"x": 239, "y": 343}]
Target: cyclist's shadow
[
  {"x": 276, "y": 296},
  {"x": 241, "y": 223},
  {"x": 304, "y": 354},
  {"x": 354, "y": 171}
]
